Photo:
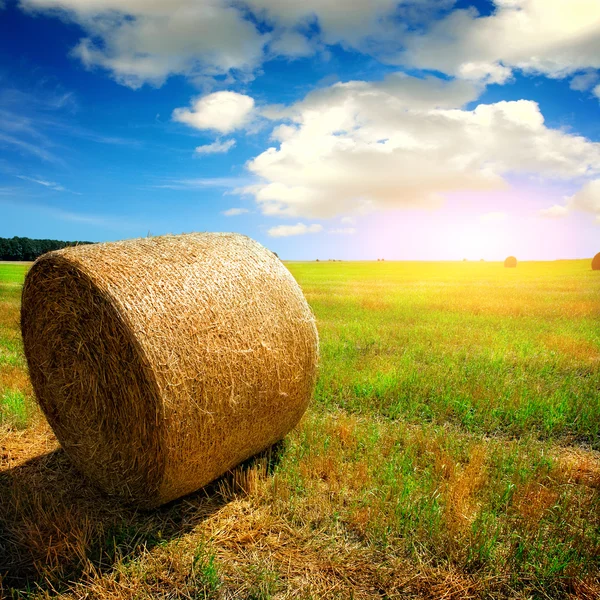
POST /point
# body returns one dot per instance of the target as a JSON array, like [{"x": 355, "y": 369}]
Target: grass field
[{"x": 452, "y": 450}]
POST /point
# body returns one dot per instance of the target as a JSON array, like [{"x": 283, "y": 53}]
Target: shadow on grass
[{"x": 56, "y": 527}]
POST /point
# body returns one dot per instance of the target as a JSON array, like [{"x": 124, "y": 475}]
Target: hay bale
[
  {"x": 596, "y": 262},
  {"x": 163, "y": 362},
  {"x": 510, "y": 262}
]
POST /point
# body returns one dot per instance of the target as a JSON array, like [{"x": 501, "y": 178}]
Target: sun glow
[{"x": 486, "y": 239}]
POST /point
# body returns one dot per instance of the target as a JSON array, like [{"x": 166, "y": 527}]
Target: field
[{"x": 452, "y": 450}]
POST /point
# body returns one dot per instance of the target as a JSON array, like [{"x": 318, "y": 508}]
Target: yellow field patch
[
  {"x": 578, "y": 466},
  {"x": 12, "y": 377},
  {"x": 576, "y": 349}
]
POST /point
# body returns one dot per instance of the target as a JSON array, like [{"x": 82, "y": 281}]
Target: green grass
[
  {"x": 451, "y": 449},
  {"x": 13, "y": 409},
  {"x": 12, "y": 273},
  {"x": 15, "y": 400},
  {"x": 493, "y": 350}
]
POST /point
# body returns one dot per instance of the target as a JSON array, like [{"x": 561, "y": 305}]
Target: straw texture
[
  {"x": 596, "y": 262},
  {"x": 163, "y": 362},
  {"x": 510, "y": 262}
]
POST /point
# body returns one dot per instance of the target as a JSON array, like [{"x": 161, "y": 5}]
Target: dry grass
[
  {"x": 578, "y": 466},
  {"x": 463, "y": 485},
  {"x": 292, "y": 523}
]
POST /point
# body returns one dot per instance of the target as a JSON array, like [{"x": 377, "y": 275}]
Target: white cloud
[
  {"x": 36, "y": 148},
  {"x": 584, "y": 81},
  {"x": 596, "y": 91},
  {"x": 587, "y": 199},
  {"x": 49, "y": 184},
  {"x": 52, "y": 185},
  {"x": 298, "y": 229},
  {"x": 396, "y": 92},
  {"x": 234, "y": 212},
  {"x": 482, "y": 71},
  {"x": 493, "y": 217},
  {"x": 292, "y": 44},
  {"x": 338, "y": 21},
  {"x": 145, "y": 41},
  {"x": 216, "y": 147},
  {"x": 343, "y": 231},
  {"x": 202, "y": 182},
  {"x": 553, "y": 37},
  {"x": 556, "y": 211},
  {"x": 220, "y": 111},
  {"x": 405, "y": 142}
]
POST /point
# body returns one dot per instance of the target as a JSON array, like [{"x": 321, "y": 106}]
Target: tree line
[{"x": 24, "y": 248}]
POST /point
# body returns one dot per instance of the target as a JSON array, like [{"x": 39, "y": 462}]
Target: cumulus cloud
[
  {"x": 405, "y": 142},
  {"x": 142, "y": 41},
  {"x": 552, "y": 37},
  {"x": 146, "y": 41},
  {"x": 298, "y": 229},
  {"x": 584, "y": 81},
  {"x": 586, "y": 200},
  {"x": 556, "y": 211},
  {"x": 216, "y": 147},
  {"x": 596, "y": 91},
  {"x": 338, "y": 21},
  {"x": 234, "y": 212},
  {"x": 484, "y": 71},
  {"x": 292, "y": 44},
  {"x": 220, "y": 111}
]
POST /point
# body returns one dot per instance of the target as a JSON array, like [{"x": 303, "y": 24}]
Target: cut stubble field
[{"x": 452, "y": 449}]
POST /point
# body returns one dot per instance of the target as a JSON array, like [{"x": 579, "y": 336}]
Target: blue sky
[{"x": 415, "y": 130}]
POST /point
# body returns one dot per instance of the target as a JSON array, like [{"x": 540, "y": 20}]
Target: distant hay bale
[
  {"x": 510, "y": 262},
  {"x": 163, "y": 362},
  {"x": 596, "y": 262}
]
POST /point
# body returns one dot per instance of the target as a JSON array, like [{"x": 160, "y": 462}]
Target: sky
[{"x": 355, "y": 129}]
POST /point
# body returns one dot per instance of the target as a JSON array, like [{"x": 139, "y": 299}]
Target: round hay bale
[
  {"x": 161, "y": 363},
  {"x": 510, "y": 262},
  {"x": 596, "y": 262}
]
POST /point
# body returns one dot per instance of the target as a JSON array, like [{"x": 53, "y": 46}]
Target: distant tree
[{"x": 24, "y": 248}]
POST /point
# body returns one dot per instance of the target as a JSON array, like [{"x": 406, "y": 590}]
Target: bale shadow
[{"x": 56, "y": 527}]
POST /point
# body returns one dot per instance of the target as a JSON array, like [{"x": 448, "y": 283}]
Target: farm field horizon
[{"x": 451, "y": 449}]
